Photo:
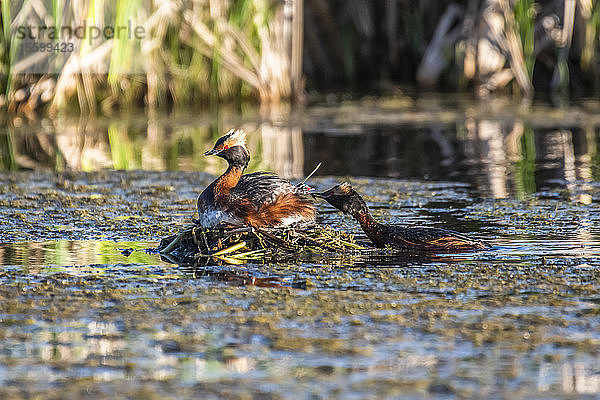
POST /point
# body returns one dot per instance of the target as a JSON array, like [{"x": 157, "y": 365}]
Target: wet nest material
[{"x": 245, "y": 244}]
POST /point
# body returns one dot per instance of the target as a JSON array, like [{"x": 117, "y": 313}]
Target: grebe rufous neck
[{"x": 346, "y": 199}]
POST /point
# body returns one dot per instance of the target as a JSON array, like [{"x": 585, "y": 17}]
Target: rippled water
[{"x": 80, "y": 318}]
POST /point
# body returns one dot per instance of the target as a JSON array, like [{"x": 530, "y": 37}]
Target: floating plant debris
[
  {"x": 127, "y": 252},
  {"x": 242, "y": 244}
]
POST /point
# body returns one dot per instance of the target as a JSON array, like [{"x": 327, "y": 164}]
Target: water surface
[{"x": 80, "y": 318}]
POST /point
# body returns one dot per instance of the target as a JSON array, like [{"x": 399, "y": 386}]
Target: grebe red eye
[{"x": 225, "y": 147}]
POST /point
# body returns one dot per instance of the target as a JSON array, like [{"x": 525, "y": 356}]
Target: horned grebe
[
  {"x": 346, "y": 199},
  {"x": 259, "y": 199}
]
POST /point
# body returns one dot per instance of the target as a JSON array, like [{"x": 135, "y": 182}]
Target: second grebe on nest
[
  {"x": 259, "y": 199},
  {"x": 346, "y": 199}
]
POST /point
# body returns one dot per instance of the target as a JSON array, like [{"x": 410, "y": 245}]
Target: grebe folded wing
[{"x": 263, "y": 188}]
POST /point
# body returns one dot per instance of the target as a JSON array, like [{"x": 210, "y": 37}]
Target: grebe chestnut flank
[
  {"x": 259, "y": 199},
  {"x": 346, "y": 199}
]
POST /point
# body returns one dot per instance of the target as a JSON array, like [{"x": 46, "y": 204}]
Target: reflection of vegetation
[
  {"x": 122, "y": 150},
  {"x": 66, "y": 253},
  {"x": 120, "y": 144},
  {"x": 525, "y": 167},
  {"x": 108, "y": 252}
]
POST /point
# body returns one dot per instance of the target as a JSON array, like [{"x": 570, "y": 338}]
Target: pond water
[{"x": 79, "y": 317}]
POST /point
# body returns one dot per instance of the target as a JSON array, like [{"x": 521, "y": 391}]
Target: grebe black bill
[
  {"x": 346, "y": 199},
  {"x": 259, "y": 199}
]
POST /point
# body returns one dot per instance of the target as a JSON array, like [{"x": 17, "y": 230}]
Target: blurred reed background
[
  {"x": 197, "y": 53},
  {"x": 192, "y": 53}
]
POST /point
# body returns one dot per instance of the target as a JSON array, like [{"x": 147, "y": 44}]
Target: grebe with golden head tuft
[{"x": 259, "y": 199}]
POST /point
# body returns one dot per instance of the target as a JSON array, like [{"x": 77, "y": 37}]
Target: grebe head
[
  {"x": 344, "y": 198},
  {"x": 231, "y": 147}
]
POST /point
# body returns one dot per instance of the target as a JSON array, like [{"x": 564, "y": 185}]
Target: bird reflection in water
[
  {"x": 208, "y": 268},
  {"x": 240, "y": 278}
]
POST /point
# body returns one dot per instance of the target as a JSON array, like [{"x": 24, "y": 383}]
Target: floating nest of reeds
[{"x": 246, "y": 244}]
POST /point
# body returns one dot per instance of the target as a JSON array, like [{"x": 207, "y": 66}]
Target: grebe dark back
[
  {"x": 259, "y": 199},
  {"x": 346, "y": 199}
]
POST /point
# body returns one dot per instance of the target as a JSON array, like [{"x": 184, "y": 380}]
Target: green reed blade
[
  {"x": 6, "y": 19},
  {"x": 122, "y": 55},
  {"x": 57, "y": 13}
]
